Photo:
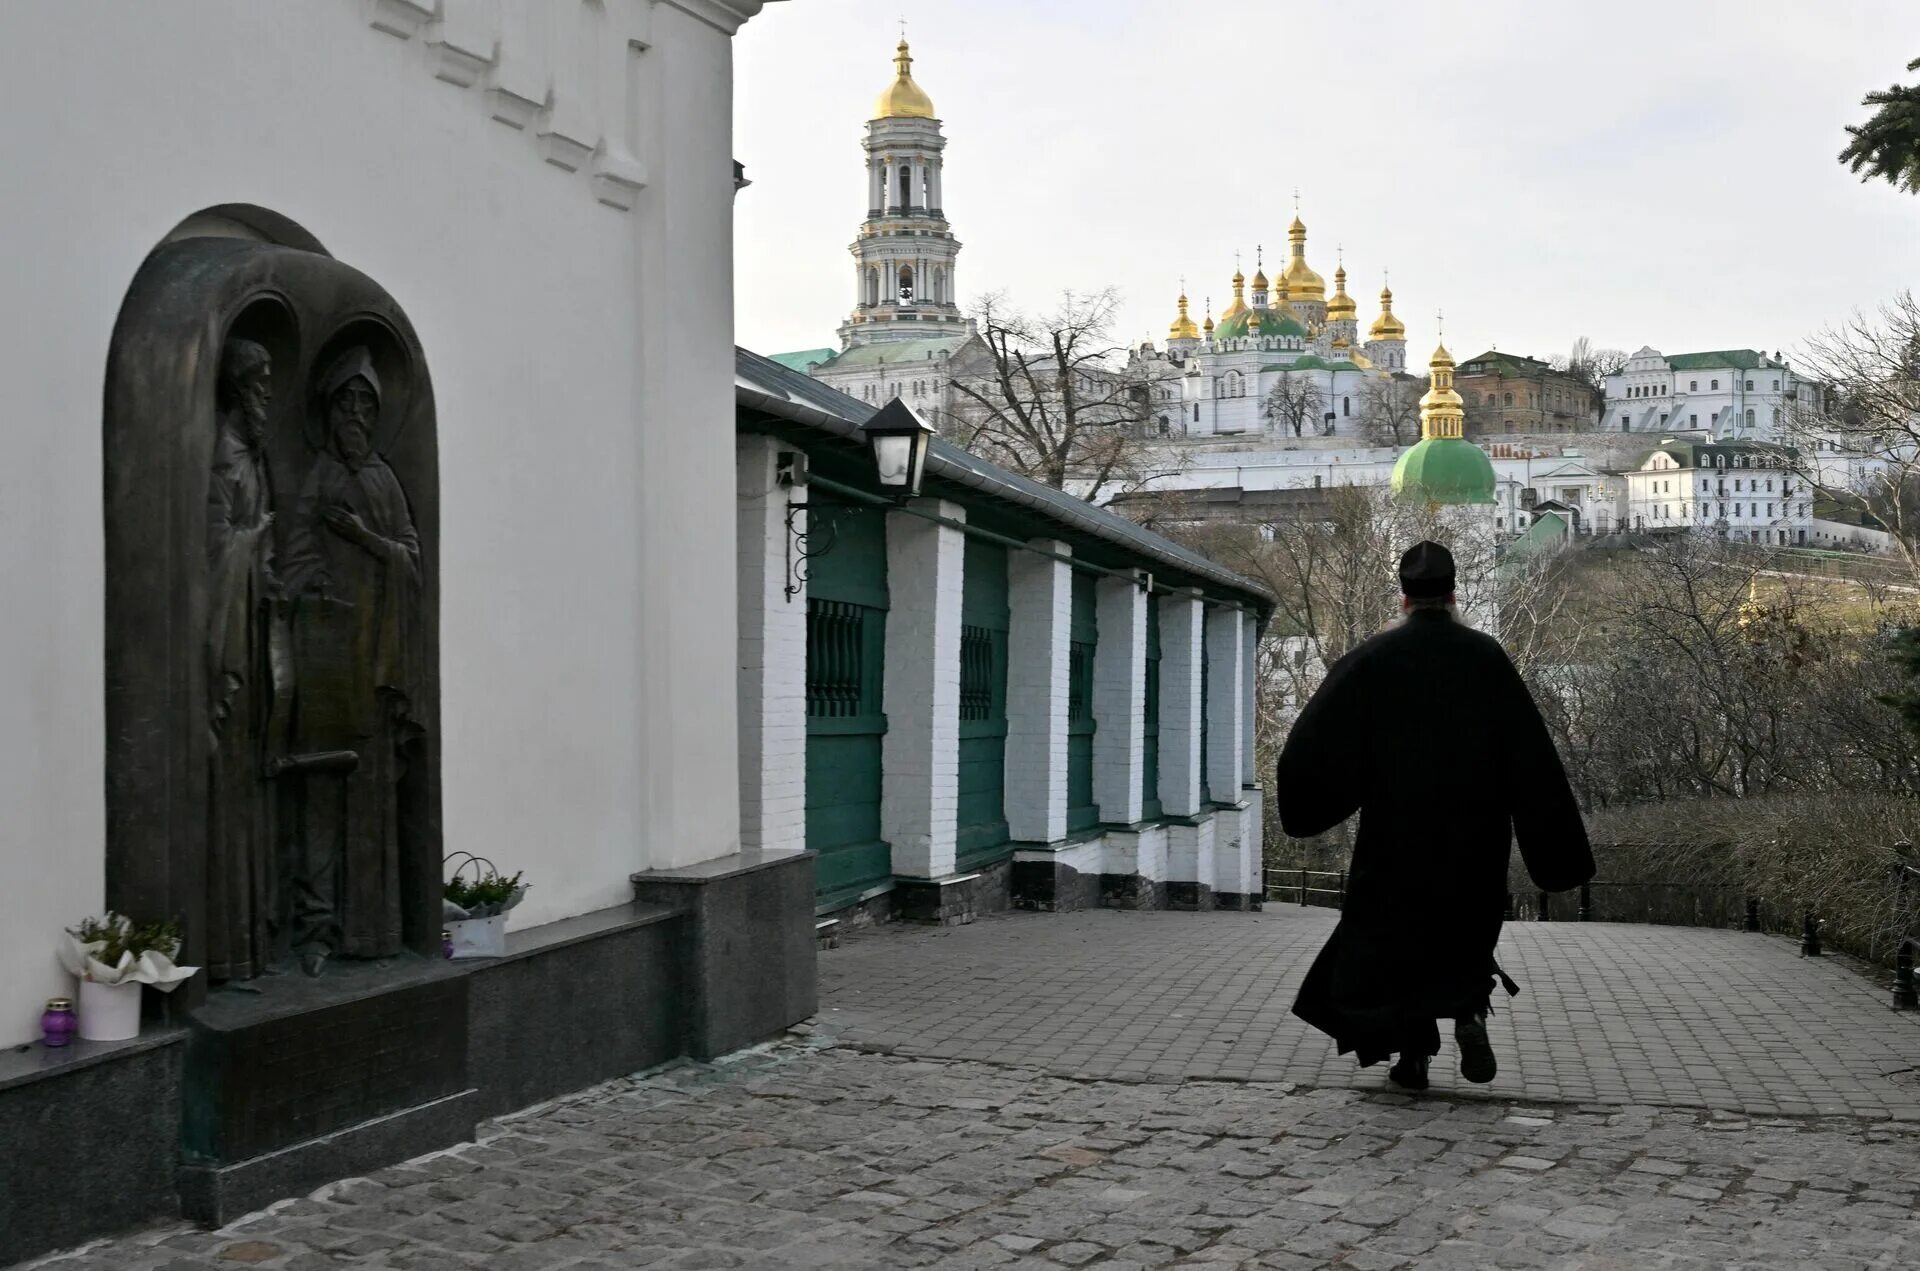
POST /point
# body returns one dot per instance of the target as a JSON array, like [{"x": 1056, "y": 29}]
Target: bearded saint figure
[
  {"x": 354, "y": 568},
  {"x": 239, "y": 682}
]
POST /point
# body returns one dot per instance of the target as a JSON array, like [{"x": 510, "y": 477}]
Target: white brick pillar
[
  {"x": 1180, "y": 645},
  {"x": 1226, "y": 676},
  {"x": 920, "y": 757},
  {"x": 1119, "y": 698},
  {"x": 772, "y": 675},
  {"x": 1039, "y": 629}
]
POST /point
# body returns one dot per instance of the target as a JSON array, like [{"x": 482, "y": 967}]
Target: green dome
[
  {"x": 1272, "y": 322},
  {"x": 1444, "y": 470}
]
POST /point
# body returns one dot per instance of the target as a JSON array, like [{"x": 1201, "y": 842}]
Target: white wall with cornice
[{"x": 547, "y": 190}]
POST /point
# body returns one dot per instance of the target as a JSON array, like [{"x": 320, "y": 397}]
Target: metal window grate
[
  {"x": 976, "y": 673},
  {"x": 835, "y": 646},
  {"x": 1079, "y": 683}
]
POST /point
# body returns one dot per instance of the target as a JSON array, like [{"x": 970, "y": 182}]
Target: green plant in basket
[{"x": 487, "y": 893}]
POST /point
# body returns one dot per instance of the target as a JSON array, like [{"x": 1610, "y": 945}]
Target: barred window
[
  {"x": 835, "y": 656},
  {"x": 976, "y": 673}
]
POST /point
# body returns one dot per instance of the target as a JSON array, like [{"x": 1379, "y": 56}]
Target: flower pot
[
  {"x": 478, "y": 937},
  {"x": 109, "y": 1012}
]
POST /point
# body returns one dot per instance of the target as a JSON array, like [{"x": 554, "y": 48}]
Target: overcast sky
[{"x": 1641, "y": 171}]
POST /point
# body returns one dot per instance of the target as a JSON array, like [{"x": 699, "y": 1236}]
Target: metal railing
[{"x": 1295, "y": 886}]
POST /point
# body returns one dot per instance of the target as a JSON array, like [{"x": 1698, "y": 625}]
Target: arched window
[
  {"x": 873, "y": 286},
  {"x": 1509, "y": 400},
  {"x": 1749, "y": 418},
  {"x": 906, "y": 186},
  {"x": 1716, "y": 386},
  {"x": 906, "y": 284},
  {"x": 1346, "y": 406}
]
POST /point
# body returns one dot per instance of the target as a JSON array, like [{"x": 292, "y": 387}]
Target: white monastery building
[
  {"x": 1744, "y": 490},
  {"x": 1730, "y": 394}
]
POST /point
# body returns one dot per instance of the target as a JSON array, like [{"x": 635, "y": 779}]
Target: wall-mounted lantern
[{"x": 899, "y": 439}]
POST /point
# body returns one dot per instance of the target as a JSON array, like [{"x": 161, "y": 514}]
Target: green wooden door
[
  {"x": 1150, "y": 806},
  {"x": 983, "y": 707},
  {"x": 1082, "y": 812},
  {"x": 846, "y": 657},
  {"x": 1206, "y": 794}
]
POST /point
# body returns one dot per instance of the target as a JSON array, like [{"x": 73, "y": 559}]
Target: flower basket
[
  {"x": 475, "y": 906},
  {"x": 112, "y": 958}
]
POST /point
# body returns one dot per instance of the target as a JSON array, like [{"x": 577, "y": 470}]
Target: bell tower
[{"x": 904, "y": 256}]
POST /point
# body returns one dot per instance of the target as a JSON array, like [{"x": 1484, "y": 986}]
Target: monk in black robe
[{"x": 1429, "y": 733}]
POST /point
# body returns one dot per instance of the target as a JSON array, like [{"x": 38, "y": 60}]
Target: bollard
[
  {"x": 1753, "y": 914},
  {"x": 1303, "y": 888},
  {"x": 1904, "y": 996},
  {"x": 1545, "y": 916},
  {"x": 1810, "y": 937},
  {"x": 1586, "y": 903}
]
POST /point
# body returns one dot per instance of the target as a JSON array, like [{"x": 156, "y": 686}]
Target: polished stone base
[
  {"x": 748, "y": 945},
  {"x": 279, "y": 1086},
  {"x": 88, "y": 1136},
  {"x": 218, "y": 1194}
]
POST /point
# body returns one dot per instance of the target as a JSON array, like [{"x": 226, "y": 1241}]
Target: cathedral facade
[{"x": 1289, "y": 359}]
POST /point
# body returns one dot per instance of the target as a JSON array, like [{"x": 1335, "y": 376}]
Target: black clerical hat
[{"x": 1426, "y": 571}]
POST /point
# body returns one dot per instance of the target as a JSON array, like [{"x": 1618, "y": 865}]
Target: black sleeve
[
  {"x": 1317, "y": 783},
  {"x": 1546, "y": 819}
]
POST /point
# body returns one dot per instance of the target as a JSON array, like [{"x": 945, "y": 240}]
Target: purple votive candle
[{"x": 57, "y": 1024}]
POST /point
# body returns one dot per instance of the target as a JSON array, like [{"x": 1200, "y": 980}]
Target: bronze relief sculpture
[
  {"x": 353, "y": 573},
  {"x": 272, "y": 612},
  {"x": 240, "y": 588}
]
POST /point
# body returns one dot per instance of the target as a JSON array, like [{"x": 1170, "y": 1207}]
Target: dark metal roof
[{"x": 765, "y": 385}]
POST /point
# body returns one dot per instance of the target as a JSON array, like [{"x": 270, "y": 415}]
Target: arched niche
[{"x": 238, "y": 707}]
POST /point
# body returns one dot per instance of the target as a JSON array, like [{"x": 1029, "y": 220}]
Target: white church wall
[{"x": 582, "y": 368}]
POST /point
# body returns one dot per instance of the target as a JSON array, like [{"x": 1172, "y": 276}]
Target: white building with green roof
[{"x": 1725, "y": 394}]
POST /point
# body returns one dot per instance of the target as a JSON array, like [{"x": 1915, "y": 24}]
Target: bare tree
[
  {"x": 1293, "y": 402},
  {"x": 1591, "y": 366},
  {"x": 1391, "y": 405},
  {"x": 1054, "y": 398},
  {"x": 1869, "y": 415}
]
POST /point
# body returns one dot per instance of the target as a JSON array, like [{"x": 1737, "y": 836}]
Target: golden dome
[
  {"x": 1207, "y": 326},
  {"x": 1183, "y": 328},
  {"x": 1259, "y": 282},
  {"x": 1300, "y": 280},
  {"x": 1387, "y": 326},
  {"x": 1442, "y": 413},
  {"x": 903, "y": 99},
  {"x": 1341, "y": 306},
  {"x": 1239, "y": 305}
]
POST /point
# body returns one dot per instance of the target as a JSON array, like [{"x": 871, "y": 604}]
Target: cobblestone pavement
[
  {"x": 1608, "y": 1012},
  {"x": 1188, "y": 1148},
  {"x": 803, "y": 1156}
]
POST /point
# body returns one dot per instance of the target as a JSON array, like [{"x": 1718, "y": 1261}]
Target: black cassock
[{"x": 1429, "y": 733}]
